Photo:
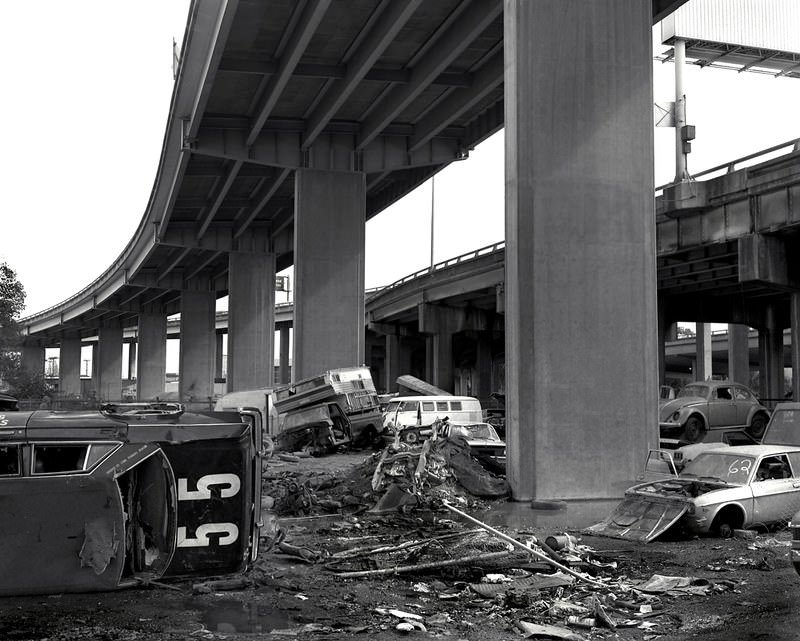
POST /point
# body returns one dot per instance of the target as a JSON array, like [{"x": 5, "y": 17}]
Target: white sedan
[{"x": 721, "y": 490}]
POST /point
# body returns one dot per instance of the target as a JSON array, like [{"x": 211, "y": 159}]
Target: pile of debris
[
  {"x": 556, "y": 588},
  {"x": 401, "y": 477}
]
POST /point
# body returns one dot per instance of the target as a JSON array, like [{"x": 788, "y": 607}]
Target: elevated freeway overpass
[{"x": 292, "y": 123}]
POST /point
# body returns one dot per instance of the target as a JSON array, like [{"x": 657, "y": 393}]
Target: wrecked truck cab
[
  {"x": 317, "y": 429},
  {"x": 96, "y": 501}
]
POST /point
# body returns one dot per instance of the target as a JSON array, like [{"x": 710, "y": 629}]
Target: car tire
[
  {"x": 694, "y": 430},
  {"x": 726, "y": 521},
  {"x": 757, "y": 427}
]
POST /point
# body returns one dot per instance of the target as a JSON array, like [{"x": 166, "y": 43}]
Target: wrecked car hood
[
  {"x": 641, "y": 518},
  {"x": 650, "y": 509}
]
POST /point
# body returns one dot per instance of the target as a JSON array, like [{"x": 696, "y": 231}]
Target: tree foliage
[
  {"x": 14, "y": 376},
  {"x": 12, "y": 295}
]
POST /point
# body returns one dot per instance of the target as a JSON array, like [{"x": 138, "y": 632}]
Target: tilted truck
[{"x": 350, "y": 389}]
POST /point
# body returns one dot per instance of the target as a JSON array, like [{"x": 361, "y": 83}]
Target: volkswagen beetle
[{"x": 704, "y": 406}]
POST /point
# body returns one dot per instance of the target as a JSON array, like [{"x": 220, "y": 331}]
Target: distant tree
[{"x": 13, "y": 376}]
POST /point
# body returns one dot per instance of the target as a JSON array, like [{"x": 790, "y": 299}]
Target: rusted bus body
[{"x": 94, "y": 501}]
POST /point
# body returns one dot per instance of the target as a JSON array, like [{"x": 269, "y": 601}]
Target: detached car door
[{"x": 61, "y": 529}]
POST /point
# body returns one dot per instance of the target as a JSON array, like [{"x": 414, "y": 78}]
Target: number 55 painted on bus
[{"x": 102, "y": 500}]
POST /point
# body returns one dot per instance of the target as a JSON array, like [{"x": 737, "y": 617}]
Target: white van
[{"x": 403, "y": 411}]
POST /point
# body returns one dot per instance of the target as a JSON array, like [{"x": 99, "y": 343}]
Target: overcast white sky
[{"x": 86, "y": 94}]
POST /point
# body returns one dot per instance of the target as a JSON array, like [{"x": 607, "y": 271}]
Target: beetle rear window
[{"x": 9, "y": 460}]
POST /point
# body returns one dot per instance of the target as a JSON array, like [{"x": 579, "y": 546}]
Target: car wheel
[
  {"x": 728, "y": 520},
  {"x": 411, "y": 437},
  {"x": 694, "y": 430},
  {"x": 757, "y": 426}
]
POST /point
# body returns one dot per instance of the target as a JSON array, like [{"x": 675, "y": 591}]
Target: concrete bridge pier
[
  {"x": 330, "y": 216},
  {"x": 69, "y": 366},
  {"x": 109, "y": 363},
  {"x": 198, "y": 346},
  {"x": 770, "y": 350},
  {"x": 251, "y": 321},
  {"x": 439, "y": 323},
  {"x": 482, "y": 385},
  {"x": 151, "y": 364},
  {"x": 32, "y": 355},
  {"x": 283, "y": 353},
  {"x": 132, "y": 359},
  {"x": 580, "y": 286},
  {"x": 738, "y": 354},
  {"x": 219, "y": 353},
  {"x": 794, "y": 312},
  {"x": 703, "y": 362}
]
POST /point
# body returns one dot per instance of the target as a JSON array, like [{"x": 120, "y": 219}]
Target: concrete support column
[
  {"x": 441, "y": 323},
  {"x": 251, "y": 321},
  {"x": 198, "y": 343},
  {"x": 398, "y": 360},
  {"x": 580, "y": 304},
  {"x": 132, "y": 348},
  {"x": 151, "y": 365},
  {"x": 219, "y": 355},
  {"x": 770, "y": 348},
  {"x": 482, "y": 388},
  {"x": 69, "y": 367},
  {"x": 738, "y": 354},
  {"x": 330, "y": 213},
  {"x": 33, "y": 357},
  {"x": 794, "y": 312},
  {"x": 94, "y": 386},
  {"x": 703, "y": 352},
  {"x": 109, "y": 364},
  {"x": 283, "y": 356},
  {"x": 666, "y": 332}
]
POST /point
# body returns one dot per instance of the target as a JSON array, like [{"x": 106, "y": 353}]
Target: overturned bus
[{"x": 132, "y": 493}]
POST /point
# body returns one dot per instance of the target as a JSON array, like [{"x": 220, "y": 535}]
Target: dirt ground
[{"x": 729, "y": 589}]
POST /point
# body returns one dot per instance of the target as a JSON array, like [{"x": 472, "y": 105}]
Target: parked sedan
[
  {"x": 97, "y": 501},
  {"x": 733, "y": 487},
  {"x": 710, "y": 405}
]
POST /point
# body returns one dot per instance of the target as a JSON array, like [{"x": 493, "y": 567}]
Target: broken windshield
[{"x": 725, "y": 467}]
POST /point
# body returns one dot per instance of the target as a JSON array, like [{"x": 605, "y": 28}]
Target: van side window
[
  {"x": 441, "y": 406},
  {"x": 427, "y": 406},
  {"x": 50, "y": 459},
  {"x": 455, "y": 406},
  {"x": 9, "y": 460}
]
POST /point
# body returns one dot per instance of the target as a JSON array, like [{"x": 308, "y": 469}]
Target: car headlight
[{"x": 676, "y": 416}]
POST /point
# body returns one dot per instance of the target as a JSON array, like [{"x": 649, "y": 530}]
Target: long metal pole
[
  {"x": 680, "y": 111},
  {"x": 527, "y": 548}
]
